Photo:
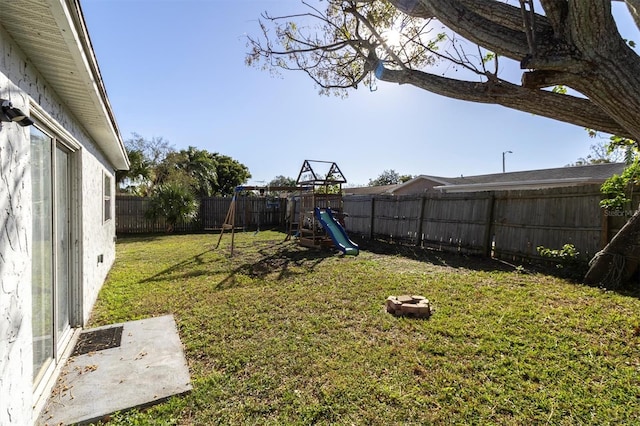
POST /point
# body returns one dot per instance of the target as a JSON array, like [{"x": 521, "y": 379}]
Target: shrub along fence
[{"x": 505, "y": 224}]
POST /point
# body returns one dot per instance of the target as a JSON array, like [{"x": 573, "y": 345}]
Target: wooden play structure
[
  {"x": 317, "y": 218},
  {"x": 314, "y": 209}
]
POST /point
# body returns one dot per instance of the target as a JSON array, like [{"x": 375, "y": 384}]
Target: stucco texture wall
[
  {"x": 15, "y": 275},
  {"x": 22, "y": 84},
  {"x": 15, "y": 267},
  {"x": 99, "y": 235}
]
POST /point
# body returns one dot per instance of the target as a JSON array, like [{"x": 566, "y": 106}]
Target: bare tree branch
[{"x": 570, "y": 109}]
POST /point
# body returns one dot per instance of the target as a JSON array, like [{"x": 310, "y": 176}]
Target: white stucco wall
[
  {"x": 99, "y": 236},
  {"x": 15, "y": 267},
  {"x": 15, "y": 275},
  {"x": 19, "y": 83}
]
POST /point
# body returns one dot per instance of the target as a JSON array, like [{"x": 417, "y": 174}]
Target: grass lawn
[{"x": 280, "y": 334}]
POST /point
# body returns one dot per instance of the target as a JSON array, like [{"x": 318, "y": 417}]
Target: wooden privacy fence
[
  {"x": 251, "y": 213},
  {"x": 505, "y": 224}
]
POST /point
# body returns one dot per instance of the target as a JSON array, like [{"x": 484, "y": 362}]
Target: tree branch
[
  {"x": 556, "y": 11},
  {"x": 570, "y": 109},
  {"x": 542, "y": 79},
  {"x": 634, "y": 10},
  {"x": 496, "y": 26},
  {"x": 598, "y": 14}
]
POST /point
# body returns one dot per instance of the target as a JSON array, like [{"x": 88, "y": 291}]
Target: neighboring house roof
[
  {"x": 419, "y": 184},
  {"x": 533, "y": 179},
  {"x": 370, "y": 190},
  {"x": 54, "y": 37},
  {"x": 529, "y": 179}
]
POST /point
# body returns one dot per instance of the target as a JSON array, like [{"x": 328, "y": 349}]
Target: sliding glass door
[{"x": 51, "y": 272}]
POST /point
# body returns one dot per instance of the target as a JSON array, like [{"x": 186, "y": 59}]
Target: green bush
[
  {"x": 174, "y": 202},
  {"x": 565, "y": 259}
]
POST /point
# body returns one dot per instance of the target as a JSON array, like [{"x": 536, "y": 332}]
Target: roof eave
[
  {"x": 68, "y": 15},
  {"x": 53, "y": 37},
  {"x": 517, "y": 185}
]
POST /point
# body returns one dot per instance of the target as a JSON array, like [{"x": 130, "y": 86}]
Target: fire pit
[{"x": 409, "y": 306}]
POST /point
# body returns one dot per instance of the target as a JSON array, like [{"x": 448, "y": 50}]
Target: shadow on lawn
[
  {"x": 435, "y": 257},
  {"x": 278, "y": 257},
  {"x": 124, "y": 239},
  {"x": 190, "y": 262},
  {"x": 256, "y": 260}
]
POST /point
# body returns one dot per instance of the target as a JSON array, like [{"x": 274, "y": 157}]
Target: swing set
[{"x": 230, "y": 219}]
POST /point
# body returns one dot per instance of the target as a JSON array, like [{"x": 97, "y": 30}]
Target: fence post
[
  {"x": 488, "y": 233},
  {"x": 420, "y": 219},
  {"x": 604, "y": 233},
  {"x": 372, "y": 218}
]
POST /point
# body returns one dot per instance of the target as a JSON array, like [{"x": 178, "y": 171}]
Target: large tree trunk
[{"x": 618, "y": 261}]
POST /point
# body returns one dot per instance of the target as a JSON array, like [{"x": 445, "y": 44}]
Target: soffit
[{"x": 53, "y": 36}]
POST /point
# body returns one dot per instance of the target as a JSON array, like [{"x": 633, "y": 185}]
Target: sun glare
[{"x": 392, "y": 38}]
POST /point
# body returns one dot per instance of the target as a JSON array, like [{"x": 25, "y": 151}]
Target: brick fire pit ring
[{"x": 409, "y": 306}]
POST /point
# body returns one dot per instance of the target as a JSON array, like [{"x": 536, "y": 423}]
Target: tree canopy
[
  {"x": 389, "y": 177},
  {"x": 282, "y": 180},
  {"x": 154, "y": 162},
  {"x": 601, "y": 152},
  {"x": 342, "y": 44}
]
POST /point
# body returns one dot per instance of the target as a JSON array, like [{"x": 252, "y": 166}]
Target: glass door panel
[
  {"x": 62, "y": 252},
  {"x": 51, "y": 243},
  {"x": 42, "y": 248}
]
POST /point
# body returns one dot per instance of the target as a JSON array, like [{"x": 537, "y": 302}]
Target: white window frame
[{"x": 107, "y": 197}]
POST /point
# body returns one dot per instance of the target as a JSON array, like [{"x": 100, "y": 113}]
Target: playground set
[{"x": 314, "y": 208}]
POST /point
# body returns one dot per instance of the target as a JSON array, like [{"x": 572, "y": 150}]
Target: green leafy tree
[
  {"x": 389, "y": 177},
  {"x": 281, "y": 180},
  {"x": 208, "y": 174},
  {"x": 138, "y": 175},
  {"x": 628, "y": 147},
  {"x": 154, "y": 150},
  {"x": 231, "y": 173},
  {"x": 199, "y": 167},
  {"x": 144, "y": 157},
  {"x": 155, "y": 162},
  {"x": 618, "y": 189},
  {"x": 175, "y": 202}
]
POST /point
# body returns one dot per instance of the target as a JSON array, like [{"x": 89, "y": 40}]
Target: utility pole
[{"x": 503, "y": 153}]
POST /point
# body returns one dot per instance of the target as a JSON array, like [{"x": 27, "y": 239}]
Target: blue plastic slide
[{"x": 336, "y": 232}]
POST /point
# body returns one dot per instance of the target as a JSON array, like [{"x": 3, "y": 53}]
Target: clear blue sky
[{"x": 175, "y": 69}]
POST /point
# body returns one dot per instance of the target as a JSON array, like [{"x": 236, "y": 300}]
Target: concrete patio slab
[{"x": 146, "y": 368}]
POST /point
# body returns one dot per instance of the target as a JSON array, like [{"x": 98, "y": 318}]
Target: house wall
[
  {"x": 419, "y": 186},
  {"x": 21, "y": 84},
  {"x": 15, "y": 239},
  {"x": 99, "y": 235},
  {"x": 15, "y": 274}
]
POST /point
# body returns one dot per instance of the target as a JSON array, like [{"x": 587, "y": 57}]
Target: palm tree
[
  {"x": 139, "y": 173},
  {"x": 174, "y": 202}
]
